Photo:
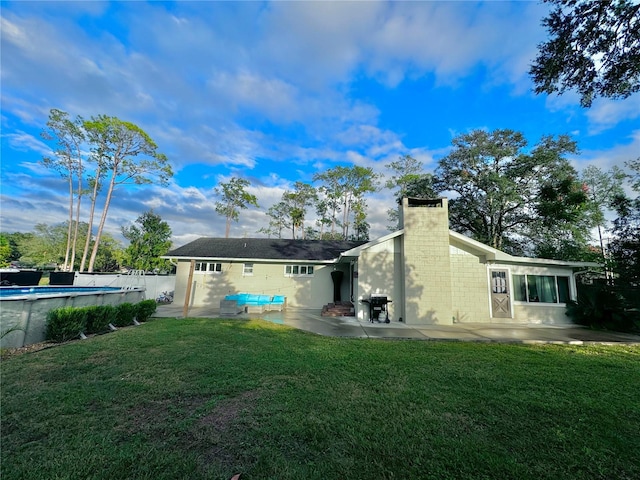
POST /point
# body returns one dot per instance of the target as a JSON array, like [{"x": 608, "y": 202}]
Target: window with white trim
[
  {"x": 541, "y": 289},
  {"x": 247, "y": 269},
  {"x": 208, "y": 267},
  {"x": 298, "y": 270}
]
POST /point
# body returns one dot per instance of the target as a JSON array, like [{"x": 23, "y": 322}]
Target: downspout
[{"x": 575, "y": 283}]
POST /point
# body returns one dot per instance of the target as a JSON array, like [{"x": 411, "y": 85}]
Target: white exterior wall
[
  {"x": 380, "y": 271},
  {"x": 469, "y": 286},
  {"x": 538, "y": 313},
  {"x": 427, "y": 266},
  {"x": 267, "y": 279}
]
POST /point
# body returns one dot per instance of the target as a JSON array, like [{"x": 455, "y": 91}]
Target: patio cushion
[
  {"x": 278, "y": 299},
  {"x": 250, "y": 299}
]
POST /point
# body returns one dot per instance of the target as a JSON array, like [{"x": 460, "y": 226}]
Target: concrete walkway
[{"x": 311, "y": 321}]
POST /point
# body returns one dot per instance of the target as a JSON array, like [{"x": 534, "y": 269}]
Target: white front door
[{"x": 500, "y": 294}]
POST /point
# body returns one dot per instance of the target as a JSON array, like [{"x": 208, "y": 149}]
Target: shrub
[
  {"x": 601, "y": 306},
  {"x": 125, "y": 313},
  {"x": 145, "y": 309},
  {"x": 99, "y": 318},
  {"x": 65, "y": 323}
]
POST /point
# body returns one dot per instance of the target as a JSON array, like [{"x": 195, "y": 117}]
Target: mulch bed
[{"x": 6, "y": 353}]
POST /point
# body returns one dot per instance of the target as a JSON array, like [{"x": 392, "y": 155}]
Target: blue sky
[{"x": 274, "y": 92}]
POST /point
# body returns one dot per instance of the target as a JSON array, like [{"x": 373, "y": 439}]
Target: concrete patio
[{"x": 311, "y": 321}]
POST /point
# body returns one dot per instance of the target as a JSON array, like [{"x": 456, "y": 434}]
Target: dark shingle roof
[{"x": 263, "y": 248}]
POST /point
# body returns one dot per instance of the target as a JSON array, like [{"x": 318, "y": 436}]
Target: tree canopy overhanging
[{"x": 594, "y": 48}]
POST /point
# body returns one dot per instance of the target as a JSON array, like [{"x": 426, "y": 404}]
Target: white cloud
[
  {"x": 192, "y": 73},
  {"x": 271, "y": 97},
  {"x": 616, "y": 155},
  {"x": 25, "y": 142},
  {"x": 606, "y": 113},
  {"x": 451, "y": 38}
]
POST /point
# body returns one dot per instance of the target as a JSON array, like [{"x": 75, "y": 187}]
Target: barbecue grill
[{"x": 377, "y": 304}]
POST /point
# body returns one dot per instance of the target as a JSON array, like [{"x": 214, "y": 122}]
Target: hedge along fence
[{"x": 67, "y": 323}]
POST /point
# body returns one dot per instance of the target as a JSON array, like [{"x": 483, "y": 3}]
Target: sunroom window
[{"x": 541, "y": 288}]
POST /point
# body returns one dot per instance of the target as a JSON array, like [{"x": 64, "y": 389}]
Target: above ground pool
[
  {"x": 6, "y": 292},
  {"x": 23, "y": 310}
]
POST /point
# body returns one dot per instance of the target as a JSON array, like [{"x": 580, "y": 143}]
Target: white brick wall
[{"x": 427, "y": 269}]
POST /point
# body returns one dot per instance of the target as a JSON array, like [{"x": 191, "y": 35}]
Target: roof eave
[
  {"x": 495, "y": 255},
  {"x": 355, "y": 252},
  {"x": 548, "y": 262},
  {"x": 247, "y": 260}
]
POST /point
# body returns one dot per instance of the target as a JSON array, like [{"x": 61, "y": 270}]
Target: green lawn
[{"x": 198, "y": 398}]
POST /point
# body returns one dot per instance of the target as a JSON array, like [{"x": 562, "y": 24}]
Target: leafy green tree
[
  {"x": 233, "y": 198},
  {"x": 421, "y": 186},
  {"x": 327, "y": 209},
  {"x": 67, "y": 160},
  {"x": 344, "y": 186},
  {"x": 5, "y": 251},
  {"x": 149, "y": 238},
  {"x": 47, "y": 244},
  {"x": 406, "y": 172},
  {"x": 498, "y": 187},
  {"x": 324, "y": 219},
  {"x": 110, "y": 254},
  {"x": 46, "y": 247},
  {"x": 602, "y": 189},
  {"x": 295, "y": 205},
  {"x": 614, "y": 304},
  {"x": 311, "y": 233},
  {"x": 276, "y": 214},
  {"x": 16, "y": 240},
  {"x": 129, "y": 156},
  {"x": 594, "y": 47},
  {"x": 360, "y": 224},
  {"x": 563, "y": 229},
  {"x": 625, "y": 246}
]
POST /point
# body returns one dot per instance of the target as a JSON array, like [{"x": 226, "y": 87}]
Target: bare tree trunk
[
  {"x": 608, "y": 273},
  {"x": 601, "y": 242},
  {"x": 70, "y": 226},
  {"x": 227, "y": 228},
  {"x": 103, "y": 219},
  {"x": 77, "y": 225},
  {"x": 94, "y": 199},
  {"x": 345, "y": 216},
  {"x": 333, "y": 222}
]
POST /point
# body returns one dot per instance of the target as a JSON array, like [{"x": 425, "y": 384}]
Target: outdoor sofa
[{"x": 251, "y": 303}]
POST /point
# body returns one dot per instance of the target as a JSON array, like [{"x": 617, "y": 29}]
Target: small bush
[
  {"x": 99, "y": 318},
  {"x": 125, "y": 313},
  {"x": 145, "y": 309},
  {"x": 65, "y": 323},
  {"x": 601, "y": 306}
]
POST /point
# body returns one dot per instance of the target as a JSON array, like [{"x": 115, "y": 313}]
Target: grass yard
[{"x": 207, "y": 399}]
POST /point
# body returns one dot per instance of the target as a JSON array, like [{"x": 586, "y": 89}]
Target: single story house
[{"x": 430, "y": 274}]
